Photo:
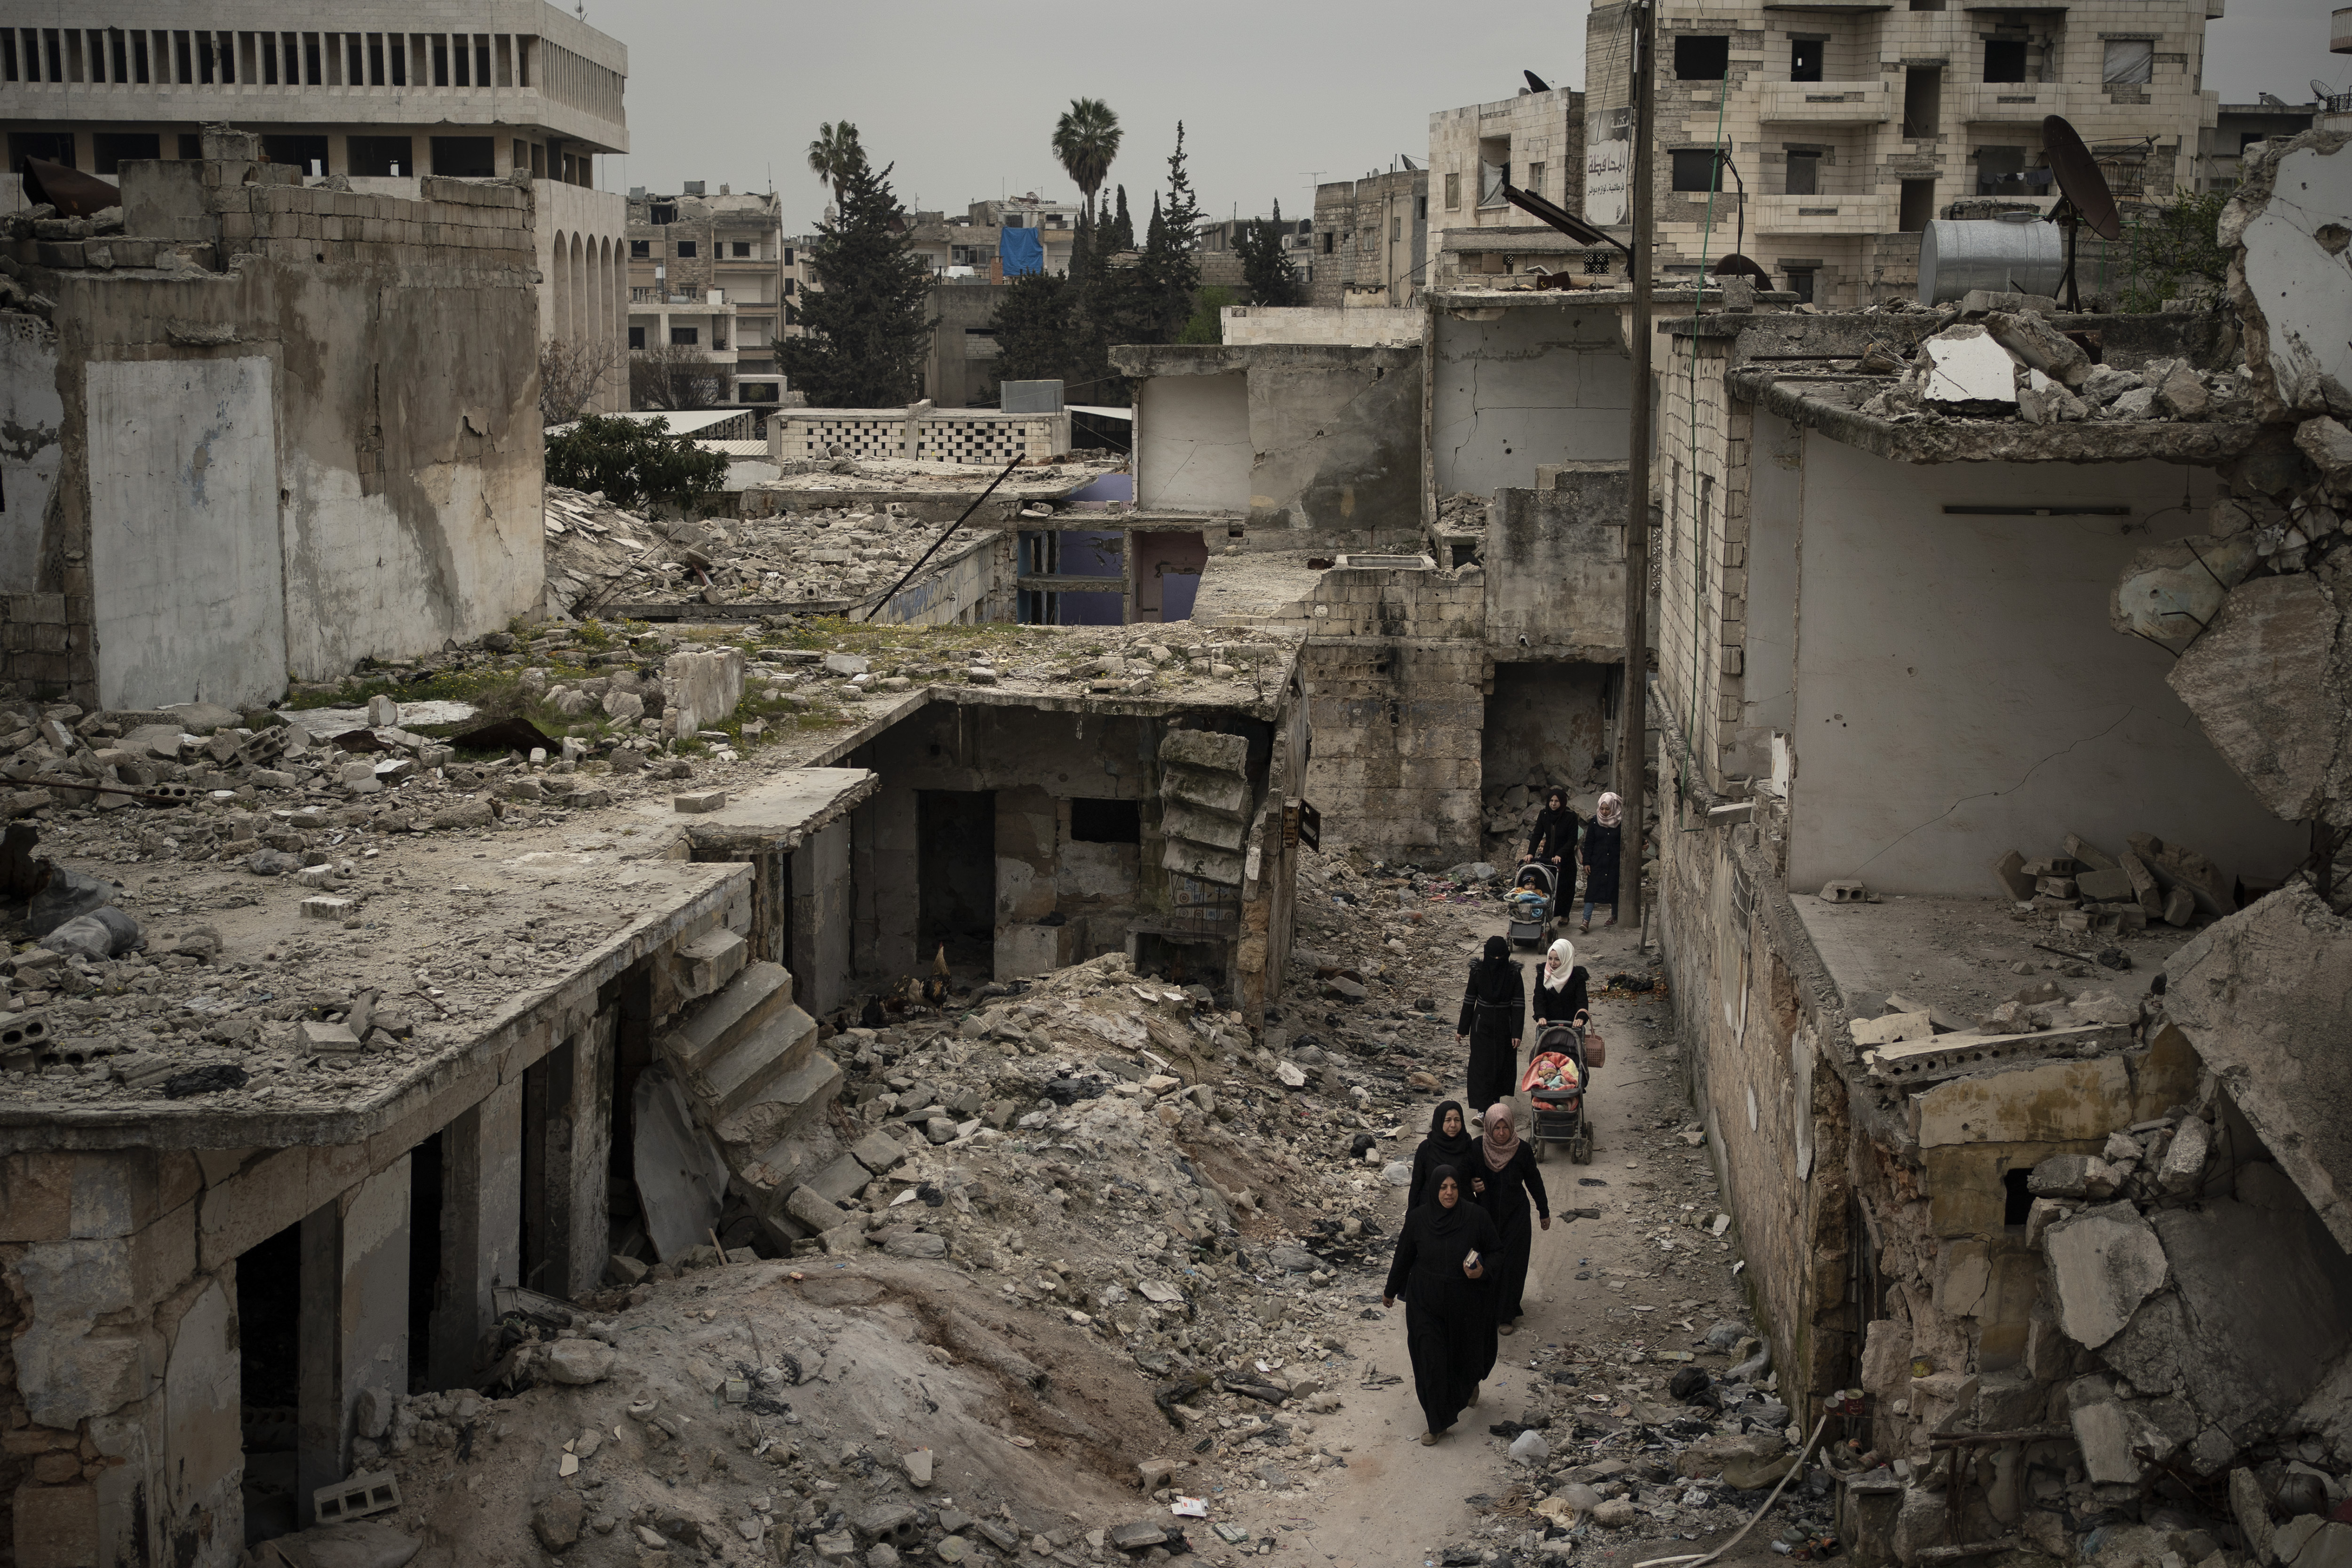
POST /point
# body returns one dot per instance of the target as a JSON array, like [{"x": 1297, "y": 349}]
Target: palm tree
[
  {"x": 1086, "y": 140},
  {"x": 834, "y": 153}
]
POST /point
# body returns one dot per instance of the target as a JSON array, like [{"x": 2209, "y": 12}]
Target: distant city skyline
[{"x": 963, "y": 99}]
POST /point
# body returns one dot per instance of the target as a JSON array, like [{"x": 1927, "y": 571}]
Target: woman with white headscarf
[
  {"x": 1562, "y": 987},
  {"x": 1604, "y": 837}
]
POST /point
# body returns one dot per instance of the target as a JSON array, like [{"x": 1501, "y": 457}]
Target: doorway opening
[
  {"x": 269, "y": 1383},
  {"x": 956, "y": 878},
  {"x": 425, "y": 1255},
  {"x": 1547, "y": 727}
]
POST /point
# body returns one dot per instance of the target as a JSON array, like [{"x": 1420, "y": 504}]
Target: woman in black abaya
[
  {"x": 1441, "y": 1269},
  {"x": 1494, "y": 1006},
  {"x": 1449, "y": 1143}
]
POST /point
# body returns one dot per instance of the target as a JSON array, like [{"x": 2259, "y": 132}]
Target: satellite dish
[
  {"x": 2079, "y": 180},
  {"x": 72, "y": 192},
  {"x": 2320, "y": 89},
  {"x": 1536, "y": 82},
  {"x": 1737, "y": 266}
]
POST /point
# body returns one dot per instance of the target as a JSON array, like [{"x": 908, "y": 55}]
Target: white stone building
[
  {"x": 1535, "y": 141},
  {"x": 1850, "y": 126},
  {"x": 383, "y": 96}
]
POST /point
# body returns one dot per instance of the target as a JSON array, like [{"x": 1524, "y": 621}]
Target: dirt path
[{"x": 1395, "y": 1501}]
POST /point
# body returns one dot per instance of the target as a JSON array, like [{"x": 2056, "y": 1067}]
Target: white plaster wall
[
  {"x": 1959, "y": 692},
  {"x": 1360, "y": 326},
  {"x": 1775, "y": 499},
  {"x": 1193, "y": 443},
  {"x": 1539, "y": 384},
  {"x": 32, "y": 415},
  {"x": 2302, "y": 289},
  {"x": 188, "y": 598}
]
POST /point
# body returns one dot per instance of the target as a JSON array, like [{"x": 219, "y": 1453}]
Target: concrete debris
[
  {"x": 2270, "y": 684},
  {"x": 2260, "y": 994}
]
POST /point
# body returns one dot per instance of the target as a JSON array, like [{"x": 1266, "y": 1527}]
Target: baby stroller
[
  {"x": 1530, "y": 903},
  {"x": 1556, "y": 1081}
]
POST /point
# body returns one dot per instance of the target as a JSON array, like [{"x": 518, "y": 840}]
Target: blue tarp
[{"x": 1023, "y": 250}]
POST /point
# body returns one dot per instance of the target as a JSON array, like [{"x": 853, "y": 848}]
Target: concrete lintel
[
  {"x": 2000, "y": 441},
  {"x": 784, "y": 811},
  {"x": 526, "y": 1028}
]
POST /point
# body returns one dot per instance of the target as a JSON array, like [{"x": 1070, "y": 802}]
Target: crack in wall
[{"x": 1988, "y": 794}]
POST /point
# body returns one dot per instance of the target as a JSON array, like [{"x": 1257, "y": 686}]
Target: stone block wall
[
  {"x": 1703, "y": 443},
  {"x": 1397, "y": 728},
  {"x": 1748, "y": 992}
]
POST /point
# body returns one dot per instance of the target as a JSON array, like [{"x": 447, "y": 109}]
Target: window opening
[
  {"x": 1106, "y": 822},
  {"x": 1702, "y": 58}
]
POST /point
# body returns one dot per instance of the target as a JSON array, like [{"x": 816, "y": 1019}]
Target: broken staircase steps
[
  {"x": 748, "y": 1061},
  {"x": 745, "y": 1040}
]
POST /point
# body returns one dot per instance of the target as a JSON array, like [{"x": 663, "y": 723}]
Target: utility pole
[{"x": 1633, "y": 712}]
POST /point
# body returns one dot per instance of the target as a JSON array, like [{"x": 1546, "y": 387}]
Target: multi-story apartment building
[
  {"x": 1370, "y": 239},
  {"x": 380, "y": 95},
  {"x": 1217, "y": 247},
  {"x": 975, "y": 240},
  {"x": 1535, "y": 141},
  {"x": 709, "y": 274},
  {"x": 1850, "y": 126},
  {"x": 2239, "y": 126}
]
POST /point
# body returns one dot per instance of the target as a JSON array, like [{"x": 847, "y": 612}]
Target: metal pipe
[{"x": 876, "y": 608}]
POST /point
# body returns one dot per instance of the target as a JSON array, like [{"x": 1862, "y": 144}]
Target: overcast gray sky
[{"x": 1273, "y": 93}]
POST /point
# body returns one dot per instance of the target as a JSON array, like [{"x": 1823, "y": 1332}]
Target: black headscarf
[
  {"x": 1438, "y": 1222},
  {"x": 1455, "y": 1150},
  {"x": 1492, "y": 974}
]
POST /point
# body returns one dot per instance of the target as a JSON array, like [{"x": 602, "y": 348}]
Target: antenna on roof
[
  {"x": 1535, "y": 83},
  {"x": 2321, "y": 90},
  {"x": 2084, "y": 198}
]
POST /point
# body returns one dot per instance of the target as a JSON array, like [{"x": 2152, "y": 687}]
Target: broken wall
[
  {"x": 331, "y": 453},
  {"x": 1958, "y": 689},
  {"x": 1512, "y": 385},
  {"x": 1058, "y": 897},
  {"x": 1555, "y": 563},
  {"x": 1322, "y": 449}
]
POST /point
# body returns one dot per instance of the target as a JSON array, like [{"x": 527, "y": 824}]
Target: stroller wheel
[
  {"x": 1539, "y": 1150},
  {"x": 1580, "y": 1149}
]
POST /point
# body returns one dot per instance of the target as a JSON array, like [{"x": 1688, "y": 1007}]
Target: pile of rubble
[
  {"x": 2090, "y": 889},
  {"x": 1088, "y": 1277},
  {"x": 2001, "y": 356}
]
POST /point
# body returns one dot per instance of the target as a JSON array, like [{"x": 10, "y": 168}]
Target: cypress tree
[{"x": 869, "y": 328}]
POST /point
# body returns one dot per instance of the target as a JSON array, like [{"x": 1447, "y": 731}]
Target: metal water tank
[{"x": 2007, "y": 257}]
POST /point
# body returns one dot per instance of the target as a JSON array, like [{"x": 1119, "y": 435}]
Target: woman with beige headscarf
[
  {"x": 1596, "y": 857},
  {"x": 1507, "y": 1167}
]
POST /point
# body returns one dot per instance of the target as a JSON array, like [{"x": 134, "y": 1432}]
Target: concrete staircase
[{"x": 756, "y": 1080}]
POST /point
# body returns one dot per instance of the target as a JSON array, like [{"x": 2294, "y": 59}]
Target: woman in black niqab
[
  {"x": 1494, "y": 1009},
  {"x": 1450, "y": 1143},
  {"x": 1440, "y": 1270}
]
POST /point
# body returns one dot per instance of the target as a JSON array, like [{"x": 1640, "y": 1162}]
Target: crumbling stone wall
[
  {"x": 374, "y": 491},
  {"x": 1748, "y": 1008},
  {"x": 1704, "y": 443}
]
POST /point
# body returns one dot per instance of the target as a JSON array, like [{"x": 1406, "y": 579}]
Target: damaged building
[
  {"x": 264, "y": 432},
  {"x": 2001, "y": 713},
  {"x": 383, "y": 1104}
]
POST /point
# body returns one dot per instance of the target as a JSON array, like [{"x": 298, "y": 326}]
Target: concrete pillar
[
  {"x": 579, "y": 1217},
  {"x": 821, "y": 895},
  {"x": 374, "y": 1309},
  {"x": 481, "y": 1221},
  {"x": 320, "y": 1399}
]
